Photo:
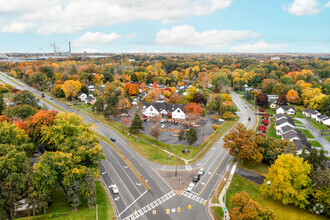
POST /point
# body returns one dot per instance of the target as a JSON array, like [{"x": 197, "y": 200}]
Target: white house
[
  {"x": 163, "y": 109},
  {"x": 321, "y": 118},
  {"x": 284, "y": 129},
  {"x": 311, "y": 113},
  {"x": 285, "y": 110},
  {"x": 82, "y": 96},
  {"x": 283, "y": 122},
  {"x": 90, "y": 100},
  {"x": 326, "y": 121},
  {"x": 291, "y": 136}
]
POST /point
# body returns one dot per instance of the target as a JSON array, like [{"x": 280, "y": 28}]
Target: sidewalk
[{"x": 222, "y": 195}]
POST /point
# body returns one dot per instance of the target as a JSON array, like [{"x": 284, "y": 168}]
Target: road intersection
[{"x": 160, "y": 201}]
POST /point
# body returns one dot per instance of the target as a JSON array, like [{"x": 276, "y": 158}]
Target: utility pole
[{"x": 176, "y": 166}]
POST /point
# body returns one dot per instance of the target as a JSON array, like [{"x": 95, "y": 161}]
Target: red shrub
[{"x": 265, "y": 122}]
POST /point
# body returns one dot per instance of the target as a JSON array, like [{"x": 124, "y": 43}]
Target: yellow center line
[{"x": 213, "y": 173}]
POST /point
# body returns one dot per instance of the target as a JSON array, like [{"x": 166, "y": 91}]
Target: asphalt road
[{"x": 160, "y": 202}]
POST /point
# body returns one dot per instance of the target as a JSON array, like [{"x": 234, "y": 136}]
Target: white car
[
  {"x": 190, "y": 187},
  {"x": 220, "y": 119},
  {"x": 115, "y": 189},
  {"x": 201, "y": 171},
  {"x": 162, "y": 121},
  {"x": 162, "y": 126}
]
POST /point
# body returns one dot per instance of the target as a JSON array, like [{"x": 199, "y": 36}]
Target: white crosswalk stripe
[
  {"x": 193, "y": 197},
  {"x": 150, "y": 206}
]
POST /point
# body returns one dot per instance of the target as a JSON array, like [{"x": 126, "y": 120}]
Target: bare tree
[{"x": 155, "y": 131}]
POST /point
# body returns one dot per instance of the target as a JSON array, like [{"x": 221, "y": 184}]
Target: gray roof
[
  {"x": 311, "y": 111},
  {"x": 300, "y": 145},
  {"x": 283, "y": 120},
  {"x": 322, "y": 116},
  {"x": 290, "y": 134},
  {"x": 287, "y": 128},
  {"x": 286, "y": 108},
  {"x": 278, "y": 116},
  {"x": 164, "y": 106}
]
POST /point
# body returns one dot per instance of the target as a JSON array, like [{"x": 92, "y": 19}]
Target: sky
[{"x": 129, "y": 26}]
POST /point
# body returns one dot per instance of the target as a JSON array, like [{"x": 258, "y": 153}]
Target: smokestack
[{"x": 70, "y": 48}]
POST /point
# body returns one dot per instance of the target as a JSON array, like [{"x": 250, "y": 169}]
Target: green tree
[
  {"x": 27, "y": 98},
  {"x": 220, "y": 80},
  {"x": 110, "y": 110},
  {"x": 242, "y": 143},
  {"x": 136, "y": 125},
  {"x": 99, "y": 105},
  {"x": 20, "y": 111},
  {"x": 191, "y": 136},
  {"x": 324, "y": 106},
  {"x": 90, "y": 194},
  {"x": 181, "y": 135},
  {"x": 288, "y": 181},
  {"x": 2, "y": 105}
]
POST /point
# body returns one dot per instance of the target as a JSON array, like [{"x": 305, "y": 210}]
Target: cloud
[
  {"x": 260, "y": 46},
  {"x": 186, "y": 35},
  {"x": 303, "y": 7},
  {"x": 96, "y": 38},
  {"x": 133, "y": 35},
  {"x": 327, "y": 5},
  {"x": 71, "y": 16}
]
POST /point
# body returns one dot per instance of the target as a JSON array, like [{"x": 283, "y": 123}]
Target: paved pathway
[
  {"x": 316, "y": 134},
  {"x": 259, "y": 179}
]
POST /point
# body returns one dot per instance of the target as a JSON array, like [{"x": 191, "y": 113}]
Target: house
[
  {"x": 90, "y": 100},
  {"x": 300, "y": 145},
  {"x": 311, "y": 113},
  {"x": 326, "y": 121},
  {"x": 285, "y": 129},
  {"x": 285, "y": 110},
  {"x": 272, "y": 99},
  {"x": 291, "y": 136},
  {"x": 82, "y": 96},
  {"x": 280, "y": 116},
  {"x": 163, "y": 109},
  {"x": 283, "y": 122},
  {"x": 321, "y": 118}
]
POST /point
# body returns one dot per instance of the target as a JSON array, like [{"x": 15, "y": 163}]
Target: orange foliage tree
[{"x": 292, "y": 96}]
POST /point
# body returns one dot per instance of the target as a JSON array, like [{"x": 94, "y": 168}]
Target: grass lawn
[
  {"x": 297, "y": 122},
  {"x": 307, "y": 133},
  {"x": 299, "y": 115},
  {"x": 259, "y": 168},
  {"x": 315, "y": 144},
  {"x": 327, "y": 138},
  {"x": 281, "y": 211},
  {"x": 83, "y": 106},
  {"x": 217, "y": 212},
  {"x": 60, "y": 209},
  {"x": 270, "y": 111},
  {"x": 271, "y": 131},
  {"x": 317, "y": 125}
]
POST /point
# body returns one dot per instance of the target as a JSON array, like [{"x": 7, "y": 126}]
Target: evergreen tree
[
  {"x": 90, "y": 194},
  {"x": 181, "y": 135},
  {"x": 137, "y": 124},
  {"x": 110, "y": 110},
  {"x": 2, "y": 104},
  {"x": 75, "y": 201},
  {"x": 99, "y": 105},
  {"x": 191, "y": 136}
]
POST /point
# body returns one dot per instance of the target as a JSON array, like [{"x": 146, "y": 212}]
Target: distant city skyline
[{"x": 120, "y": 26}]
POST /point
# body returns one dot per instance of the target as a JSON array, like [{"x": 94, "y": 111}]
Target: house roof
[
  {"x": 290, "y": 134},
  {"x": 300, "y": 145},
  {"x": 311, "y": 111},
  {"x": 278, "y": 116},
  {"x": 287, "y": 128},
  {"x": 322, "y": 117},
  {"x": 286, "y": 108},
  {"x": 283, "y": 120},
  {"x": 164, "y": 106}
]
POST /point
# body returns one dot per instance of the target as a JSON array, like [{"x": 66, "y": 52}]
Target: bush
[
  {"x": 263, "y": 130},
  {"x": 228, "y": 115},
  {"x": 262, "y": 127},
  {"x": 261, "y": 110},
  {"x": 215, "y": 126},
  {"x": 265, "y": 122}
]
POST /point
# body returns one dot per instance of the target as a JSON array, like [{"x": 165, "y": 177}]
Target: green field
[
  {"x": 259, "y": 168},
  {"x": 271, "y": 131},
  {"x": 317, "y": 125},
  {"x": 307, "y": 133},
  {"x": 281, "y": 211},
  {"x": 315, "y": 144},
  {"x": 61, "y": 210},
  {"x": 297, "y": 122}
]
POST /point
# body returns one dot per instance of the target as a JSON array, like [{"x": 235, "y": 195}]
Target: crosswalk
[
  {"x": 193, "y": 197},
  {"x": 151, "y": 206}
]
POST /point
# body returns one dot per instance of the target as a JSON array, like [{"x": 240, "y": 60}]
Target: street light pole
[{"x": 176, "y": 166}]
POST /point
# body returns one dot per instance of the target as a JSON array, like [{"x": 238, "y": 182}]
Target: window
[{"x": 178, "y": 111}]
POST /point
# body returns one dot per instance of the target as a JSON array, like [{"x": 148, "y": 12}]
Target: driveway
[{"x": 316, "y": 134}]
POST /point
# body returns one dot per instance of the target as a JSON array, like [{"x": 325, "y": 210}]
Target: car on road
[
  {"x": 201, "y": 171},
  {"x": 190, "y": 187},
  {"x": 245, "y": 106},
  {"x": 113, "y": 139},
  {"x": 42, "y": 95},
  {"x": 196, "y": 178},
  {"x": 249, "y": 118},
  {"x": 115, "y": 189}
]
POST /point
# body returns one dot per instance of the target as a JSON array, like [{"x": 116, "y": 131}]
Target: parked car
[
  {"x": 220, "y": 119},
  {"x": 115, "y": 189},
  {"x": 190, "y": 187},
  {"x": 145, "y": 119},
  {"x": 162, "y": 121},
  {"x": 166, "y": 121},
  {"x": 162, "y": 126},
  {"x": 201, "y": 171},
  {"x": 113, "y": 139},
  {"x": 196, "y": 178}
]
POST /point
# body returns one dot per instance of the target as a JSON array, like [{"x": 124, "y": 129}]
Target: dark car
[
  {"x": 42, "y": 95},
  {"x": 196, "y": 178},
  {"x": 113, "y": 139},
  {"x": 249, "y": 118}
]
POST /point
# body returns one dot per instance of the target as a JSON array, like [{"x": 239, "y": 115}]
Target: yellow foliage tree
[
  {"x": 226, "y": 97},
  {"x": 71, "y": 88}
]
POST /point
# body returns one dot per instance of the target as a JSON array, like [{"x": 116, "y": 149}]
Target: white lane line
[
  {"x": 133, "y": 202},
  {"x": 124, "y": 170}
]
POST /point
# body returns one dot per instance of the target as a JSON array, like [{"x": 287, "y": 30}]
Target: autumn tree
[
  {"x": 228, "y": 115},
  {"x": 280, "y": 89},
  {"x": 220, "y": 80},
  {"x": 282, "y": 100},
  {"x": 191, "y": 91},
  {"x": 288, "y": 181},
  {"x": 176, "y": 99},
  {"x": 226, "y": 97},
  {"x": 292, "y": 96},
  {"x": 268, "y": 85},
  {"x": 136, "y": 125},
  {"x": 262, "y": 99},
  {"x": 155, "y": 131},
  {"x": 20, "y": 111},
  {"x": 193, "y": 112},
  {"x": 308, "y": 94},
  {"x": 242, "y": 207},
  {"x": 199, "y": 98},
  {"x": 27, "y": 98},
  {"x": 2, "y": 104},
  {"x": 71, "y": 88},
  {"x": 152, "y": 96},
  {"x": 242, "y": 143},
  {"x": 324, "y": 105}
]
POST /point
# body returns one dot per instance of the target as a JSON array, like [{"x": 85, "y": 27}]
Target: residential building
[
  {"x": 82, "y": 96},
  {"x": 311, "y": 113},
  {"x": 290, "y": 110},
  {"x": 164, "y": 109}
]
